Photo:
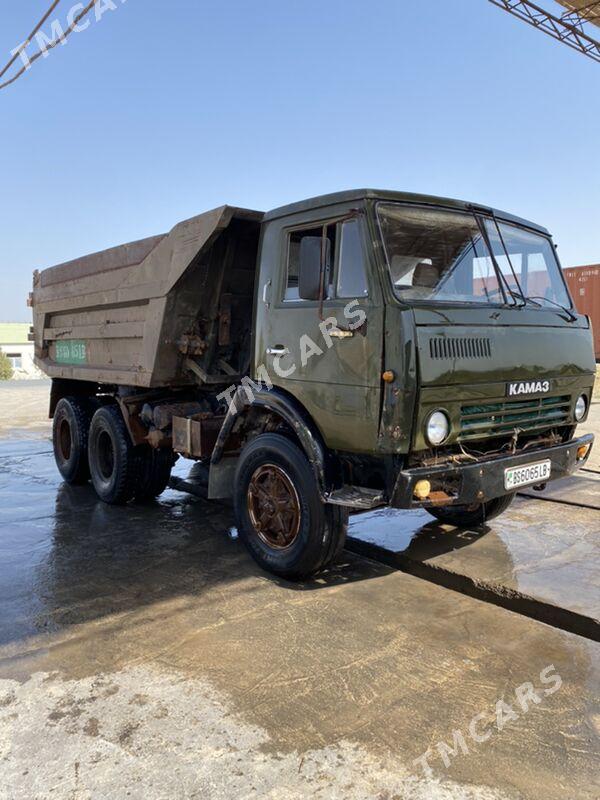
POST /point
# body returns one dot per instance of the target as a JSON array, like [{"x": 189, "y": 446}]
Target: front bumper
[{"x": 477, "y": 482}]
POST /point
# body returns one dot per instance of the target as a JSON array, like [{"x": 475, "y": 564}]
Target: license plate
[
  {"x": 527, "y": 474},
  {"x": 71, "y": 351}
]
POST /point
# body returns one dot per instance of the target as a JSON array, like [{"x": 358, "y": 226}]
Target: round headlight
[
  {"x": 580, "y": 407},
  {"x": 438, "y": 428}
]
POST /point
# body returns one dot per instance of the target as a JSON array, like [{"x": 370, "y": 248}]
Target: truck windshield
[{"x": 436, "y": 255}]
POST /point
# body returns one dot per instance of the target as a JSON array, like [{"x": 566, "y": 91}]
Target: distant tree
[{"x": 6, "y": 370}]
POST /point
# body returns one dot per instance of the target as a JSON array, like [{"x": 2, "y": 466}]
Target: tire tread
[
  {"x": 331, "y": 521},
  {"x": 82, "y": 410},
  {"x": 461, "y": 517},
  {"x": 153, "y": 473},
  {"x": 128, "y": 467}
]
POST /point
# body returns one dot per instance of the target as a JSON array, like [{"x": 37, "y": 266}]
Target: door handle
[
  {"x": 266, "y": 293},
  {"x": 278, "y": 350},
  {"x": 341, "y": 334}
]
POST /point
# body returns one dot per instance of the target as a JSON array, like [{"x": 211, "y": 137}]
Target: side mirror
[{"x": 309, "y": 279}]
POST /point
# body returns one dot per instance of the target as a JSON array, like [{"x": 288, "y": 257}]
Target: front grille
[{"x": 495, "y": 419}]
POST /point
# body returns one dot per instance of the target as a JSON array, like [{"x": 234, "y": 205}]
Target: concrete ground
[
  {"x": 24, "y": 409},
  {"x": 144, "y": 655},
  {"x": 540, "y": 553}
]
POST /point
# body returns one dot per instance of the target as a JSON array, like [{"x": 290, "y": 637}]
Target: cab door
[{"x": 316, "y": 350}]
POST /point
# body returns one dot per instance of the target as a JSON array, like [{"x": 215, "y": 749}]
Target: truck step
[{"x": 356, "y": 497}]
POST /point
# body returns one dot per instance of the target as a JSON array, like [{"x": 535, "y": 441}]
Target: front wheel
[
  {"x": 280, "y": 516},
  {"x": 474, "y": 515}
]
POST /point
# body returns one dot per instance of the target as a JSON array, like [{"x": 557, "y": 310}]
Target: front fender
[{"x": 291, "y": 412}]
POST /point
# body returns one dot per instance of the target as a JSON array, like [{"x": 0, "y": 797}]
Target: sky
[{"x": 161, "y": 110}]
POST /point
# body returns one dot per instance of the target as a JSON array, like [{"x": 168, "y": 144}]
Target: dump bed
[{"x": 170, "y": 310}]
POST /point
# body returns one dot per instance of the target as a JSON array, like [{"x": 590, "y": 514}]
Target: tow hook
[{"x": 539, "y": 487}]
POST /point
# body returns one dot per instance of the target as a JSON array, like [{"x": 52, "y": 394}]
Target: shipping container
[{"x": 584, "y": 285}]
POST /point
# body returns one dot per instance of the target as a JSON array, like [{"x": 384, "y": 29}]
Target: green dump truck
[{"x": 359, "y": 349}]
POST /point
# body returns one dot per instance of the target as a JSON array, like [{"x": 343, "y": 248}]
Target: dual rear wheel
[
  {"x": 70, "y": 431},
  {"x": 280, "y": 515},
  {"x": 92, "y": 441}
]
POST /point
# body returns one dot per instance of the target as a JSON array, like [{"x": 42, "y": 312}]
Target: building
[{"x": 14, "y": 341}]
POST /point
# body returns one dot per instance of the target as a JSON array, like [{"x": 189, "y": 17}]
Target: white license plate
[{"x": 527, "y": 474}]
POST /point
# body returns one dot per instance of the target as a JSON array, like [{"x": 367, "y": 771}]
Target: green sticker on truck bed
[{"x": 71, "y": 352}]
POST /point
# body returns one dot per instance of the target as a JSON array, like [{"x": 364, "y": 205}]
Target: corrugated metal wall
[{"x": 584, "y": 285}]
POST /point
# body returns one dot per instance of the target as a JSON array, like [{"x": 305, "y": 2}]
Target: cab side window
[
  {"x": 293, "y": 259},
  {"x": 352, "y": 280}
]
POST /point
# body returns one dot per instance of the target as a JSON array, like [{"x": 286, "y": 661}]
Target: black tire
[
  {"x": 70, "y": 430},
  {"x": 320, "y": 529},
  {"x": 153, "y": 473},
  {"x": 114, "y": 464},
  {"x": 472, "y": 516}
]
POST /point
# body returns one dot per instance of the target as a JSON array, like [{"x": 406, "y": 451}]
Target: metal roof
[
  {"x": 568, "y": 21},
  {"x": 588, "y": 10},
  {"x": 14, "y": 333}
]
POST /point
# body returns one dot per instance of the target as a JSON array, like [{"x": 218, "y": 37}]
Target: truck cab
[
  {"x": 468, "y": 347},
  {"x": 403, "y": 350}
]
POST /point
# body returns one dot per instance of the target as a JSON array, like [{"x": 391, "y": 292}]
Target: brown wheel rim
[{"x": 274, "y": 506}]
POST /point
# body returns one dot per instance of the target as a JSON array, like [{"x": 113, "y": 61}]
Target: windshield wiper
[
  {"x": 486, "y": 240},
  {"x": 525, "y": 300},
  {"x": 571, "y": 317},
  {"x": 533, "y": 300},
  {"x": 514, "y": 293}
]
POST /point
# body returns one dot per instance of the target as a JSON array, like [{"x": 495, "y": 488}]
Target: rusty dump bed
[{"x": 170, "y": 310}]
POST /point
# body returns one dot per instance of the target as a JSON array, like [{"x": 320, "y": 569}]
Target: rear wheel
[
  {"x": 70, "y": 429},
  {"x": 154, "y": 472},
  {"x": 114, "y": 466},
  {"x": 473, "y": 515},
  {"x": 280, "y": 516}
]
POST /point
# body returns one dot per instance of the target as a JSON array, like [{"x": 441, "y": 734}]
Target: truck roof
[{"x": 386, "y": 194}]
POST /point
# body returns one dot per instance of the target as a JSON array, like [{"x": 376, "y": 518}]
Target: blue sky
[{"x": 164, "y": 109}]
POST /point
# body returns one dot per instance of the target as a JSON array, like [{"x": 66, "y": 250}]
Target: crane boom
[{"x": 567, "y": 28}]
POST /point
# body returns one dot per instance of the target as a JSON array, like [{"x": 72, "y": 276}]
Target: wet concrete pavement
[
  {"x": 581, "y": 489},
  {"x": 130, "y": 636},
  {"x": 539, "y": 557},
  {"x": 143, "y": 654}
]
